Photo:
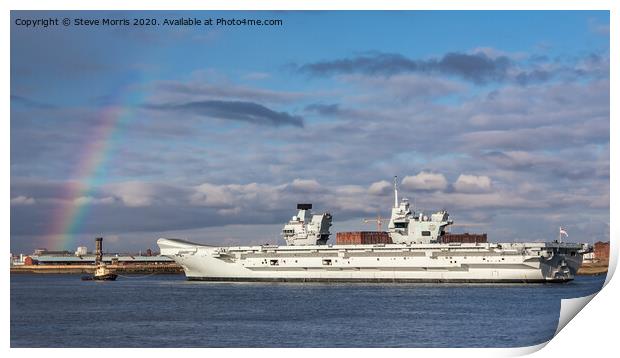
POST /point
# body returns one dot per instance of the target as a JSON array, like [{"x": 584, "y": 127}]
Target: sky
[{"x": 214, "y": 133}]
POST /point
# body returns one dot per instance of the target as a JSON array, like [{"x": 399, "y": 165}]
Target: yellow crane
[{"x": 379, "y": 220}]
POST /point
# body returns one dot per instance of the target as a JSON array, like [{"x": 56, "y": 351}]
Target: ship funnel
[
  {"x": 304, "y": 206},
  {"x": 99, "y": 249}
]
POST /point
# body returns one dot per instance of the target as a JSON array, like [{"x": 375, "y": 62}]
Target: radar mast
[{"x": 395, "y": 191}]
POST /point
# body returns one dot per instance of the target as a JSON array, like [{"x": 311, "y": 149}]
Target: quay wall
[
  {"x": 167, "y": 268},
  {"x": 593, "y": 269}
]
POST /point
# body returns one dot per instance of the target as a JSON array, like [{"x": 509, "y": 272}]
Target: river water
[{"x": 168, "y": 311}]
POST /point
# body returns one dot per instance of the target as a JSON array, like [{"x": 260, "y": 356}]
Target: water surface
[{"x": 167, "y": 311}]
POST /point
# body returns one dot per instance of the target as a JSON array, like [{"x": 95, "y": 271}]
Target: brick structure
[
  {"x": 601, "y": 251},
  {"x": 28, "y": 261}
]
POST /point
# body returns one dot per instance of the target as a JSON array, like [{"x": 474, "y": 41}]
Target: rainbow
[{"x": 89, "y": 171}]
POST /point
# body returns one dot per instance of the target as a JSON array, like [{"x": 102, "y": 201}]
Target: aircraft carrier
[{"x": 416, "y": 254}]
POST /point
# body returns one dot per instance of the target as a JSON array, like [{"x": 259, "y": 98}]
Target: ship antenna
[{"x": 395, "y": 191}]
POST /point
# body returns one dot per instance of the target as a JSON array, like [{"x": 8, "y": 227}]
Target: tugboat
[{"x": 102, "y": 273}]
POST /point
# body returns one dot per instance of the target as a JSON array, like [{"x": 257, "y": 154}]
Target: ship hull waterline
[{"x": 376, "y": 280}]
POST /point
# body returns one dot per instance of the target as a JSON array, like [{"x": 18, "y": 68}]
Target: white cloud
[
  {"x": 305, "y": 185},
  {"x": 22, "y": 200},
  {"x": 136, "y": 201},
  {"x": 472, "y": 184},
  {"x": 232, "y": 198},
  {"x": 140, "y": 194},
  {"x": 407, "y": 87},
  {"x": 425, "y": 181},
  {"x": 460, "y": 201},
  {"x": 212, "y": 195},
  {"x": 349, "y": 190},
  {"x": 380, "y": 188},
  {"x": 91, "y": 200}
]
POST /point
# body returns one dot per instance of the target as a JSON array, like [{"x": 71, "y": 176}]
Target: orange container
[
  {"x": 463, "y": 238},
  {"x": 362, "y": 238}
]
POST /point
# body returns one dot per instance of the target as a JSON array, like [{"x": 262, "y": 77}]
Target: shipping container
[
  {"x": 463, "y": 238},
  {"x": 362, "y": 238}
]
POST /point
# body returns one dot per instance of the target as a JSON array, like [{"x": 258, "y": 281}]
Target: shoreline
[
  {"x": 593, "y": 269},
  {"x": 172, "y": 268},
  {"x": 89, "y": 269}
]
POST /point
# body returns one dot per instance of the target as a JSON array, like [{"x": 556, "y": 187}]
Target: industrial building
[{"x": 81, "y": 256}]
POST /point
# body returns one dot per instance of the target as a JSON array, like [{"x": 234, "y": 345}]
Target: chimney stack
[{"x": 99, "y": 250}]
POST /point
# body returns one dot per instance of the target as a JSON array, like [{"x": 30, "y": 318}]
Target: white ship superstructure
[
  {"x": 306, "y": 228},
  {"x": 415, "y": 255},
  {"x": 409, "y": 227}
]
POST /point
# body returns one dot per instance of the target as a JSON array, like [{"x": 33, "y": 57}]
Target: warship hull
[{"x": 407, "y": 263}]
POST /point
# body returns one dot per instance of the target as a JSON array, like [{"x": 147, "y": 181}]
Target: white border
[{"x": 591, "y": 332}]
